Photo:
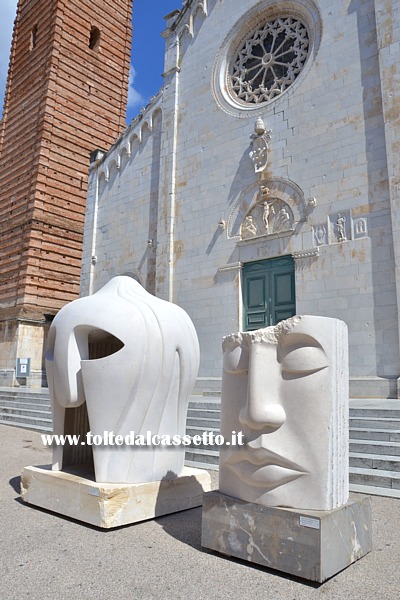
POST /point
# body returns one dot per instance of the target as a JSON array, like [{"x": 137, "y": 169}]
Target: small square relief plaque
[
  {"x": 340, "y": 227},
  {"x": 360, "y": 228},
  {"x": 320, "y": 235}
]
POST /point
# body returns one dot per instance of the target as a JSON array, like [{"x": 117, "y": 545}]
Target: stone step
[
  {"x": 24, "y": 425},
  {"x": 199, "y": 430},
  {"x": 375, "y": 461},
  {"x": 201, "y": 465},
  {"x": 34, "y": 423},
  {"x": 205, "y": 423},
  {"x": 27, "y": 409},
  {"x": 375, "y": 477},
  {"x": 200, "y": 402},
  {"x": 375, "y": 447},
  {"x": 207, "y": 385},
  {"x": 36, "y": 411},
  {"x": 203, "y": 413},
  {"x": 375, "y": 413},
  {"x": 203, "y": 446},
  {"x": 383, "y": 435},
  {"x": 378, "y": 423},
  {"x": 374, "y": 490},
  {"x": 211, "y": 396},
  {"x": 25, "y": 399},
  {"x": 203, "y": 456}
]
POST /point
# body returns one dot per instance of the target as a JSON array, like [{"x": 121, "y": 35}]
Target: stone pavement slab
[{"x": 44, "y": 556}]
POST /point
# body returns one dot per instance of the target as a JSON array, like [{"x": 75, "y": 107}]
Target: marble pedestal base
[
  {"x": 111, "y": 505},
  {"x": 314, "y": 545}
]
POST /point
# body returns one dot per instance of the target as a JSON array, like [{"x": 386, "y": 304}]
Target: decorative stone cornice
[
  {"x": 230, "y": 267},
  {"x": 144, "y": 120},
  {"x": 313, "y": 253},
  {"x": 181, "y": 22}
]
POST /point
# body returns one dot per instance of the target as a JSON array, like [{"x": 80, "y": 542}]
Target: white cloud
[
  {"x": 135, "y": 98},
  {"x": 8, "y": 9}
]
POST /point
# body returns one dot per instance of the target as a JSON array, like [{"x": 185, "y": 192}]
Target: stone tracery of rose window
[{"x": 270, "y": 60}]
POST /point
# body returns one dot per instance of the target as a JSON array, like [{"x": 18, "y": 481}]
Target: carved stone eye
[
  {"x": 302, "y": 355},
  {"x": 305, "y": 361},
  {"x": 236, "y": 361},
  {"x": 94, "y": 343},
  {"x": 102, "y": 344}
]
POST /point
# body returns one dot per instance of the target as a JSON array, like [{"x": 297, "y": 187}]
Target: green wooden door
[{"x": 268, "y": 292}]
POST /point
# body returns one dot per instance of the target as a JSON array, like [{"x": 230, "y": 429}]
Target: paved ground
[{"x": 44, "y": 556}]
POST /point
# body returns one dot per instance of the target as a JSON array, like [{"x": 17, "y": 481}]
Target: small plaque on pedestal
[{"x": 314, "y": 545}]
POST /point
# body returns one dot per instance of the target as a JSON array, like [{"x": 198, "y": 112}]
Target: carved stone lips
[
  {"x": 261, "y": 467},
  {"x": 263, "y": 457}
]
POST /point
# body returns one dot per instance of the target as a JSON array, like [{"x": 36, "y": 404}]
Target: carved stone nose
[
  {"x": 262, "y": 417},
  {"x": 263, "y": 409}
]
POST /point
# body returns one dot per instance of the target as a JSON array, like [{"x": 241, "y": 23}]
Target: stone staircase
[
  {"x": 203, "y": 415},
  {"x": 374, "y": 442},
  {"x": 374, "y": 434},
  {"x": 375, "y": 447},
  {"x": 26, "y": 408}
]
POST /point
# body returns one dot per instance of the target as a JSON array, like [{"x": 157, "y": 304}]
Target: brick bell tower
[{"x": 66, "y": 95}]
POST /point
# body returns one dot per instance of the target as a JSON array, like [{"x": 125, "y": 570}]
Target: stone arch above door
[{"x": 268, "y": 207}]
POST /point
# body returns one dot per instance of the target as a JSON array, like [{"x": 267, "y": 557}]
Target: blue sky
[{"x": 147, "y": 48}]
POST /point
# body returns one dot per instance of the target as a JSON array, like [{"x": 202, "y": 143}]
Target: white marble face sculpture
[
  {"x": 286, "y": 389},
  {"x": 143, "y": 386}
]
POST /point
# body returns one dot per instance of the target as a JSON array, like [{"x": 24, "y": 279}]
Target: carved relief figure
[
  {"x": 265, "y": 216},
  {"x": 143, "y": 386},
  {"x": 283, "y": 220},
  {"x": 360, "y": 227},
  {"x": 341, "y": 228},
  {"x": 259, "y": 146},
  {"x": 286, "y": 389},
  {"x": 259, "y": 154},
  {"x": 264, "y": 193},
  {"x": 280, "y": 193},
  {"x": 249, "y": 228},
  {"x": 320, "y": 234}
]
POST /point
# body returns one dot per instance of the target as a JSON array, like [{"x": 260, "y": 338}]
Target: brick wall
[{"x": 63, "y": 99}]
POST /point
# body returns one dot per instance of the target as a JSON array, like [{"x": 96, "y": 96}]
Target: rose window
[{"x": 269, "y": 61}]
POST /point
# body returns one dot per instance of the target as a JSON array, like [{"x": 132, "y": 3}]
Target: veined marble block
[
  {"x": 314, "y": 545},
  {"x": 112, "y": 505},
  {"x": 286, "y": 389}
]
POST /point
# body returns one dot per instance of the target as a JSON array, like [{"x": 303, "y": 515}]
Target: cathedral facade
[{"x": 263, "y": 180}]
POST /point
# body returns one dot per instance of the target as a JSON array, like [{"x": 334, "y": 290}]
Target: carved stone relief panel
[
  {"x": 360, "y": 228},
  {"x": 267, "y": 216},
  {"x": 259, "y": 146},
  {"x": 320, "y": 235},
  {"x": 340, "y": 227},
  {"x": 268, "y": 207}
]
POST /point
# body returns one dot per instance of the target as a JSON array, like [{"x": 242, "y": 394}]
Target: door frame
[{"x": 268, "y": 268}]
